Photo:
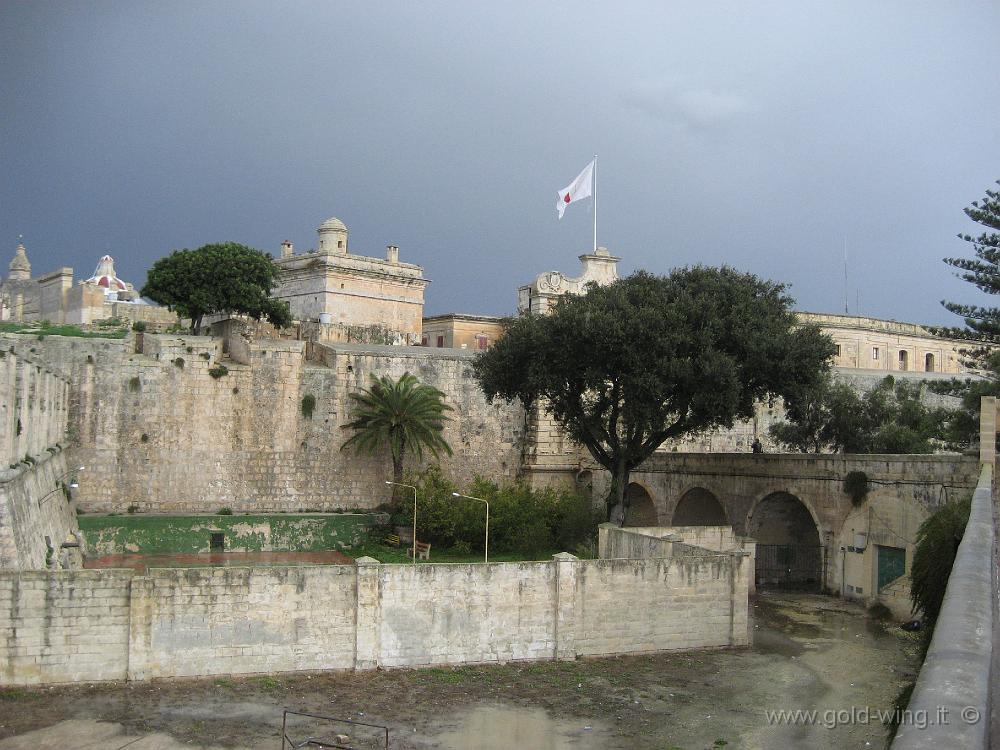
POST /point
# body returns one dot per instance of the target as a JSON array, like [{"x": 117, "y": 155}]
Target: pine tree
[{"x": 982, "y": 323}]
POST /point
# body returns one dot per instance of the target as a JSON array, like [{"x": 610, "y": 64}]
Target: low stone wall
[
  {"x": 953, "y": 689},
  {"x": 163, "y": 535},
  {"x": 67, "y": 626}
]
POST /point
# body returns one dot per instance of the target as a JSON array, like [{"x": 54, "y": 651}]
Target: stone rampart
[
  {"x": 36, "y": 517},
  {"x": 166, "y": 430}
]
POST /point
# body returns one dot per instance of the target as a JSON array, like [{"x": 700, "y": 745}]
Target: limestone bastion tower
[{"x": 351, "y": 293}]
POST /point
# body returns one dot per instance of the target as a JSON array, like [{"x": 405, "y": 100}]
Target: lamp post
[
  {"x": 72, "y": 485},
  {"x": 400, "y": 484},
  {"x": 486, "y": 549}
]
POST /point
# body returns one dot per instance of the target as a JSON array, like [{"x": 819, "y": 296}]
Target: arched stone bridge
[{"x": 797, "y": 500}]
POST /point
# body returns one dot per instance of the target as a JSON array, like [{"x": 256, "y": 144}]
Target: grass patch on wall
[
  {"x": 164, "y": 535},
  {"x": 41, "y": 330}
]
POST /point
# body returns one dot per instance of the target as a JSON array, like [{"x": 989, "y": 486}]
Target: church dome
[
  {"x": 333, "y": 224},
  {"x": 105, "y": 276}
]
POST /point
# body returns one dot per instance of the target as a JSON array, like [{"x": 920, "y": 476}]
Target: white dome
[
  {"x": 105, "y": 276},
  {"x": 333, "y": 224}
]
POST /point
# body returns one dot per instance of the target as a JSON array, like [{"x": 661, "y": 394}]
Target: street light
[
  {"x": 486, "y": 549},
  {"x": 400, "y": 484},
  {"x": 71, "y": 485}
]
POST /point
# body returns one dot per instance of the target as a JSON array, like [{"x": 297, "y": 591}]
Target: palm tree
[{"x": 404, "y": 414}]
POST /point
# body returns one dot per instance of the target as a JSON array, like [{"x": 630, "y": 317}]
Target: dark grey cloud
[{"x": 762, "y": 135}]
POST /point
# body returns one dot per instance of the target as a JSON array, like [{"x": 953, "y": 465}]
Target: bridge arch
[
  {"x": 789, "y": 543},
  {"x": 699, "y": 507},
  {"x": 641, "y": 508}
]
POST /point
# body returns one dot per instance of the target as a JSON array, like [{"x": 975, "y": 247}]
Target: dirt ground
[{"x": 810, "y": 652}]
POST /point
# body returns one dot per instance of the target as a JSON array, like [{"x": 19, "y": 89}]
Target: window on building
[
  {"x": 904, "y": 359},
  {"x": 482, "y": 343},
  {"x": 440, "y": 342},
  {"x": 929, "y": 363},
  {"x": 875, "y": 353},
  {"x": 838, "y": 349},
  {"x": 423, "y": 341}
]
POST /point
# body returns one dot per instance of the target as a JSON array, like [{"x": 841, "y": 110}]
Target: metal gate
[{"x": 794, "y": 566}]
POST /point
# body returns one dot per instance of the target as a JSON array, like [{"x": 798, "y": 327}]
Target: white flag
[{"x": 578, "y": 189}]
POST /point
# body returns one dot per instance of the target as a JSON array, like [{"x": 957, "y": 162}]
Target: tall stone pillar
[
  {"x": 566, "y": 606},
  {"x": 987, "y": 429},
  {"x": 367, "y": 631}
]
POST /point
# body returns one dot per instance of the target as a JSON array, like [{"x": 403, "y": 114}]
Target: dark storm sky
[{"x": 763, "y": 135}]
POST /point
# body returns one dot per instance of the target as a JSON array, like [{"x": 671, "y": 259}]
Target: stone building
[
  {"x": 871, "y": 344},
  {"x": 351, "y": 297},
  {"x": 460, "y": 331},
  {"x": 55, "y": 298}
]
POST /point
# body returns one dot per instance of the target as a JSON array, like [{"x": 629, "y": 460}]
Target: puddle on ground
[{"x": 505, "y": 727}]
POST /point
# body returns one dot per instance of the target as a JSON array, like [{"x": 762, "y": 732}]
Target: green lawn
[
  {"x": 386, "y": 554},
  {"x": 63, "y": 330}
]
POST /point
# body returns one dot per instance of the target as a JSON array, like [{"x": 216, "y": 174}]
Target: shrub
[
  {"x": 936, "y": 545},
  {"x": 179, "y": 363},
  {"x": 856, "y": 485},
  {"x": 133, "y": 508},
  {"x": 522, "y": 519},
  {"x": 225, "y": 512},
  {"x": 218, "y": 371},
  {"x": 205, "y": 356},
  {"x": 308, "y": 405},
  {"x": 139, "y": 326}
]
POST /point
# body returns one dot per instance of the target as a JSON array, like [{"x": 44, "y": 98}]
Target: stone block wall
[
  {"x": 454, "y": 614},
  {"x": 67, "y": 626},
  {"x": 156, "y": 430},
  {"x": 242, "y": 620},
  {"x": 35, "y": 515}
]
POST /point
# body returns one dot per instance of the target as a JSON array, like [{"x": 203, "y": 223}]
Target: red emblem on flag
[{"x": 566, "y": 198}]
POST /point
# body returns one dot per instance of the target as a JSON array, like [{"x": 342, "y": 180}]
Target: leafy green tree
[
  {"x": 220, "y": 278},
  {"x": 983, "y": 271},
  {"x": 627, "y": 366},
  {"x": 820, "y": 415},
  {"x": 936, "y": 546},
  {"x": 963, "y": 427},
  {"x": 405, "y": 416},
  {"x": 892, "y": 417}
]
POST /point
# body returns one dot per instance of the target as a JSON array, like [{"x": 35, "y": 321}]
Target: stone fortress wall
[
  {"x": 36, "y": 515},
  {"x": 157, "y": 431}
]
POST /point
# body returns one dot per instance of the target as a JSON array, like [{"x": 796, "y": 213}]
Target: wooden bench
[
  {"x": 392, "y": 540},
  {"x": 423, "y": 551}
]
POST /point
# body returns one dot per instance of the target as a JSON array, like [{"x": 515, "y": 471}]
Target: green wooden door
[{"x": 891, "y": 564}]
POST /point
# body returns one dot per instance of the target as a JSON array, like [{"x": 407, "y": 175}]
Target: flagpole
[{"x": 595, "y": 203}]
